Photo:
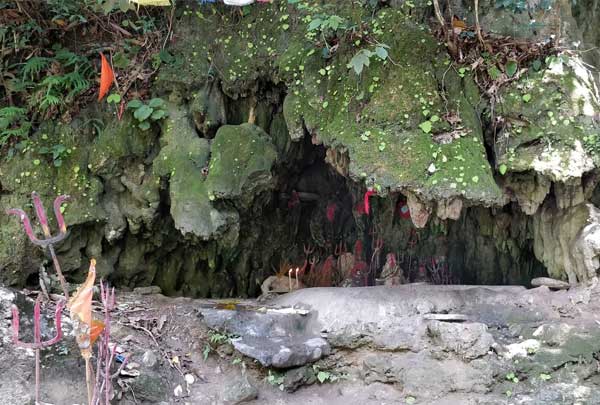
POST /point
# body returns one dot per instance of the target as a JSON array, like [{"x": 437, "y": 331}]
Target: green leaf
[
  {"x": 494, "y": 72},
  {"x": 156, "y": 102},
  {"x": 314, "y": 24},
  {"x": 381, "y": 146},
  {"x": 158, "y": 114},
  {"x": 381, "y": 52},
  {"x": 425, "y": 126},
  {"x": 135, "y": 104},
  {"x": 410, "y": 400},
  {"x": 144, "y": 125},
  {"x": 511, "y": 68},
  {"x": 114, "y": 98},
  {"x": 360, "y": 60},
  {"x": 537, "y": 65},
  {"x": 502, "y": 169},
  {"x": 527, "y": 97},
  {"x": 143, "y": 113},
  {"x": 545, "y": 377},
  {"x": 166, "y": 57},
  {"x": 434, "y": 118},
  {"x": 323, "y": 376}
]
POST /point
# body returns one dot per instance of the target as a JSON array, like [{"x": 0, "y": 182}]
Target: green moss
[
  {"x": 375, "y": 116},
  {"x": 240, "y": 167},
  {"x": 242, "y": 157},
  {"x": 549, "y": 125}
]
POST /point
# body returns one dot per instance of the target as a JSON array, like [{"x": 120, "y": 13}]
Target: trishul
[
  {"x": 48, "y": 240},
  {"x": 37, "y": 344}
]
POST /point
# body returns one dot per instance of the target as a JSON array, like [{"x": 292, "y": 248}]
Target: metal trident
[
  {"x": 48, "y": 240},
  {"x": 37, "y": 344}
]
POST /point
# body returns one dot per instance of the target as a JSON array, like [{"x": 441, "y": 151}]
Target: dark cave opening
[
  {"x": 313, "y": 218},
  {"x": 335, "y": 242}
]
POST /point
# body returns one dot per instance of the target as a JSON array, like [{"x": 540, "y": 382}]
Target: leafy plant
[
  {"x": 58, "y": 152},
  {"x": 328, "y": 25},
  {"x": 13, "y": 123},
  {"x": 145, "y": 113},
  {"x": 56, "y": 81},
  {"x": 362, "y": 58},
  {"x": 512, "y": 377},
  {"x": 275, "y": 379},
  {"x": 215, "y": 339},
  {"x": 324, "y": 376}
]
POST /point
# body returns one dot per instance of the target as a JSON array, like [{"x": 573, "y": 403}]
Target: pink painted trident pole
[
  {"x": 49, "y": 240},
  {"x": 37, "y": 344}
]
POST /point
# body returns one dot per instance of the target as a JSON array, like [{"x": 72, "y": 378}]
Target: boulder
[
  {"x": 282, "y": 352},
  {"x": 239, "y": 390},
  {"x": 468, "y": 340},
  {"x": 279, "y": 338}
]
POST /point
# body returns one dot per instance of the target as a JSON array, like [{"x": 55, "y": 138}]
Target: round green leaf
[
  {"x": 143, "y": 113},
  {"x": 425, "y": 126}
]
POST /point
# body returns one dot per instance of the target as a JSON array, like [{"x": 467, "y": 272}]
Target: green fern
[
  {"x": 34, "y": 66},
  {"x": 75, "y": 82},
  {"x": 48, "y": 101},
  {"x": 11, "y": 113},
  {"x": 13, "y": 123}
]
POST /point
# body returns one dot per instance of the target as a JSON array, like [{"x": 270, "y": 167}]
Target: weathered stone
[
  {"x": 150, "y": 387},
  {"x": 551, "y": 283},
  {"x": 276, "y": 338},
  {"x": 419, "y": 211},
  {"x": 239, "y": 391},
  {"x": 468, "y": 340},
  {"x": 153, "y": 289},
  {"x": 521, "y": 349},
  {"x": 528, "y": 190},
  {"x": 297, "y": 377},
  {"x": 449, "y": 209},
  {"x": 281, "y": 352},
  {"x": 410, "y": 370},
  {"x": 149, "y": 359},
  {"x": 446, "y": 317},
  {"x": 568, "y": 241},
  {"x": 208, "y": 109}
]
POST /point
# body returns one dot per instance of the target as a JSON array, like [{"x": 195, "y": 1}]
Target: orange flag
[
  {"x": 106, "y": 77},
  {"x": 80, "y": 306},
  {"x": 97, "y": 328}
]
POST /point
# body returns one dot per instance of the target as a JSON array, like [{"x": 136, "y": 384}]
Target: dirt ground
[{"x": 176, "y": 359}]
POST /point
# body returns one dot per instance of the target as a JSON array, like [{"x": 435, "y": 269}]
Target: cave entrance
[{"x": 339, "y": 239}]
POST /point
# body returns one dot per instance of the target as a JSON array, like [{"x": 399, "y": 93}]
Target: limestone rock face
[
  {"x": 449, "y": 209},
  {"x": 568, "y": 241},
  {"x": 468, "y": 340},
  {"x": 419, "y": 211}
]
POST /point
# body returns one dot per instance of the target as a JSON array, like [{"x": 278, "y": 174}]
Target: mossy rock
[
  {"x": 375, "y": 117},
  {"x": 241, "y": 161},
  {"x": 549, "y": 120},
  {"x": 181, "y": 159}
]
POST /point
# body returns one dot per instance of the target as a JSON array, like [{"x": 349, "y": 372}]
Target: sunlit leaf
[{"x": 511, "y": 68}]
